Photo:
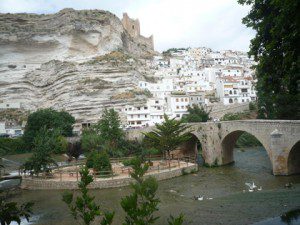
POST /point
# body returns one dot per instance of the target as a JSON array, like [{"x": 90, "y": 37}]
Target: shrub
[
  {"x": 102, "y": 162},
  {"x": 99, "y": 161},
  {"x": 128, "y": 162},
  {"x": 9, "y": 146}
]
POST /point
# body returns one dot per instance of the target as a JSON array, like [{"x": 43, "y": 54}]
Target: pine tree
[
  {"x": 168, "y": 135},
  {"x": 84, "y": 206}
]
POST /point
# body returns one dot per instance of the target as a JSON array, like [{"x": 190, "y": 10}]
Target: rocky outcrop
[{"x": 79, "y": 61}]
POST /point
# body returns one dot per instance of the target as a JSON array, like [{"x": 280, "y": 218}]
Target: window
[
  {"x": 182, "y": 107},
  {"x": 158, "y": 107},
  {"x": 145, "y": 116},
  {"x": 230, "y": 100},
  {"x": 182, "y": 99},
  {"x": 177, "y": 100},
  {"x": 178, "y": 115},
  {"x": 138, "y": 108},
  {"x": 131, "y": 116},
  {"x": 145, "y": 107},
  {"x": 177, "y": 107},
  {"x": 139, "y": 116},
  {"x": 234, "y": 92},
  {"x": 230, "y": 92},
  {"x": 133, "y": 27},
  {"x": 138, "y": 122},
  {"x": 160, "y": 117}
]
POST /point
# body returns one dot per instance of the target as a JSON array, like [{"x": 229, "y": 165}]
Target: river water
[{"x": 225, "y": 185}]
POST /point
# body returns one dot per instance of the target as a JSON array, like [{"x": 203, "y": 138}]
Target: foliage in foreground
[
  {"x": 276, "y": 49},
  {"x": 168, "y": 135},
  {"x": 196, "y": 114},
  {"x": 141, "y": 205},
  {"x": 84, "y": 207},
  {"x": 11, "y": 212}
]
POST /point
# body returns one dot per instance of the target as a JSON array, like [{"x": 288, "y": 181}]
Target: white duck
[
  {"x": 199, "y": 198},
  {"x": 251, "y": 186},
  {"x": 260, "y": 188}
]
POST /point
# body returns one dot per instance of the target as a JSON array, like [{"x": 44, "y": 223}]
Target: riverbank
[
  {"x": 225, "y": 185},
  {"x": 181, "y": 168}
]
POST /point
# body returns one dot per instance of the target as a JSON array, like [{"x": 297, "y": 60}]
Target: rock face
[{"x": 79, "y": 61}]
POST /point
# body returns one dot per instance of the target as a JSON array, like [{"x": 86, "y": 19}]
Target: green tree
[
  {"x": 99, "y": 161},
  {"x": 168, "y": 135},
  {"x": 50, "y": 119},
  {"x": 142, "y": 204},
  {"x": 91, "y": 140},
  {"x": 10, "y": 211},
  {"x": 84, "y": 207},
  {"x": 110, "y": 129},
  {"x": 196, "y": 114},
  {"x": 44, "y": 144},
  {"x": 276, "y": 49}
]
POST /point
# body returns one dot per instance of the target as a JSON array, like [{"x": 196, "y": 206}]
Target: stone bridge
[{"x": 280, "y": 138}]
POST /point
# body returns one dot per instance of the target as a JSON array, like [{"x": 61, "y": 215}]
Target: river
[{"x": 225, "y": 185}]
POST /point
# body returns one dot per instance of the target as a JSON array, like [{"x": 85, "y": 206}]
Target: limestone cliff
[{"x": 80, "y": 61}]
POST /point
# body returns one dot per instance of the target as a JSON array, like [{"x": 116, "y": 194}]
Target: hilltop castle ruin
[{"x": 132, "y": 26}]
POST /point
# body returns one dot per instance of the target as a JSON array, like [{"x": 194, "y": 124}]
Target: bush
[
  {"x": 10, "y": 146},
  {"x": 99, "y": 161},
  {"x": 102, "y": 162},
  {"x": 127, "y": 162}
]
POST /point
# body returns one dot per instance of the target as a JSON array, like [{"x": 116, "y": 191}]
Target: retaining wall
[{"x": 40, "y": 184}]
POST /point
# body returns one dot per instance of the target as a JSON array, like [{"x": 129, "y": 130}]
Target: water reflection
[{"x": 291, "y": 216}]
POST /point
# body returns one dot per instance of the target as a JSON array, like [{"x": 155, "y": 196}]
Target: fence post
[
  {"x": 169, "y": 165},
  {"x": 158, "y": 167},
  {"x": 178, "y": 162},
  {"x": 60, "y": 175},
  {"x": 76, "y": 173}
]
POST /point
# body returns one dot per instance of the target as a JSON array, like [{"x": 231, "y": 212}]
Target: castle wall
[{"x": 133, "y": 28}]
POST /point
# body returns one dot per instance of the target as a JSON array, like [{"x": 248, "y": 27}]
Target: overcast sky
[{"x": 174, "y": 23}]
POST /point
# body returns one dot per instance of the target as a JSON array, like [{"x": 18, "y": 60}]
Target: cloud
[{"x": 174, "y": 23}]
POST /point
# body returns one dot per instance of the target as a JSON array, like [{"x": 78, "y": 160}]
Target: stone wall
[
  {"x": 132, "y": 26},
  {"x": 39, "y": 184},
  {"x": 220, "y": 111}
]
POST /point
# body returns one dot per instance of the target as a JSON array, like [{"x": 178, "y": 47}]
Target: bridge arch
[
  {"x": 229, "y": 141},
  {"x": 191, "y": 147},
  {"x": 293, "y": 162}
]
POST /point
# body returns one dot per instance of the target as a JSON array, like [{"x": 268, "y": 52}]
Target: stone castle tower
[{"x": 132, "y": 26}]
